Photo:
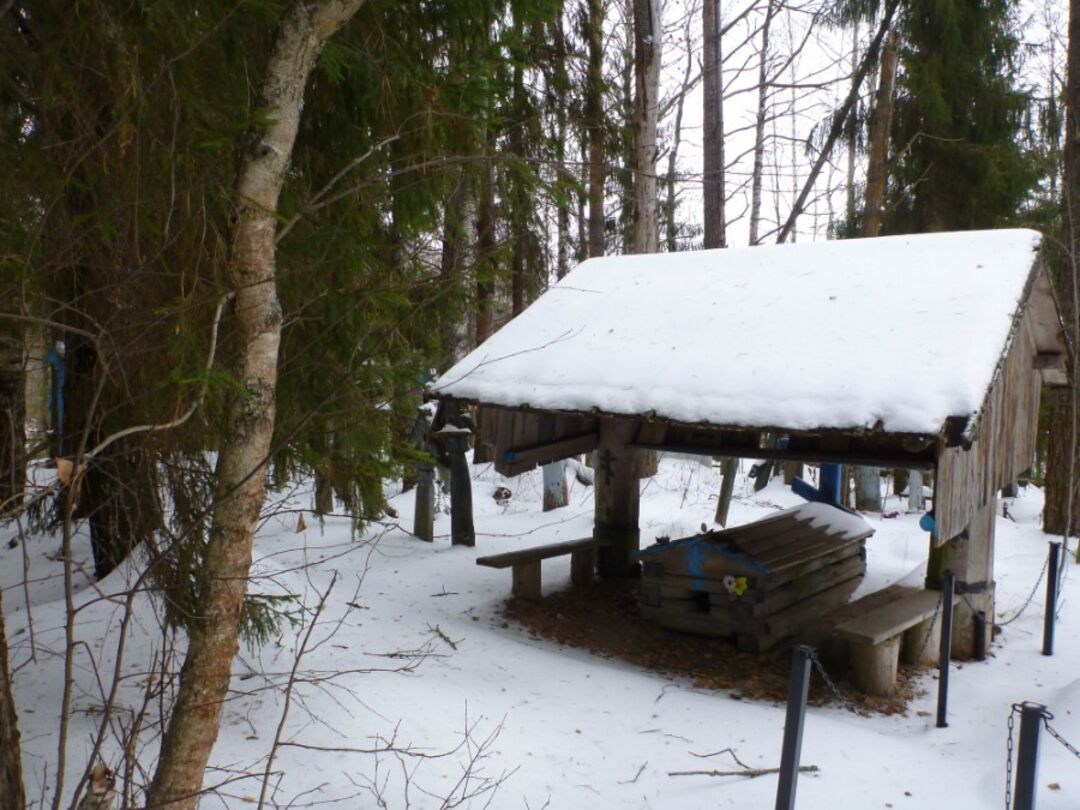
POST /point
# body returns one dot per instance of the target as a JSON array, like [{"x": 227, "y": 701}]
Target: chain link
[
  {"x": 1047, "y": 717},
  {"x": 1031, "y": 596},
  {"x": 1009, "y": 756},
  {"x": 832, "y": 687},
  {"x": 930, "y": 627}
]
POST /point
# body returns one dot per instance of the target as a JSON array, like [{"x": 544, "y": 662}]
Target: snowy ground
[{"x": 411, "y": 649}]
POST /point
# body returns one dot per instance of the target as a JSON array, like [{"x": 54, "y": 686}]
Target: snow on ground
[{"x": 412, "y": 648}]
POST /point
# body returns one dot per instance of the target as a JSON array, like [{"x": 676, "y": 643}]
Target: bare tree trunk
[
  {"x": 485, "y": 255},
  {"x": 839, "y": 121},
  {"x": 868, "y": 479},
  {"x": 852, "y": 140},
  {"x": 11, "y": 783},
  {"x": 594, "y": 122},
  {"x": 241, "y": 479},
  {"x": 759, "y": 128},
  {"x": 452, "y": 262},
  {"x": 563, "y": 178},
  {"x": 648, "y": 43},
  {"x": 1062, "y": 507},
  {"x": 713, "y": 191},
  {"x": 13, "y": 421},
  {"x": 880, "y": 126},
  {"x": 671, "y": 226}
]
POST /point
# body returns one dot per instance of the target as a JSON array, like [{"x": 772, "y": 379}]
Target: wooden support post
[
  {"x": 527, "y": 580},
  {"x": 462, "y": 532},
  {"x": 424, "y": 513},
  {"x": 617, "y": 497},
  {"x": 915, "y": 491},
  {"x": 556, "y": 493},
  {"x": 582, "y": 564},
  {"x": 873, "y": 667},
  {"x": 728, "y": 471},
  {"x": 970, "y": 556}
]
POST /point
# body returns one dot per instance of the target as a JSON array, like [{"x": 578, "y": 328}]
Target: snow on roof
[{"x": 901, "y": 330}]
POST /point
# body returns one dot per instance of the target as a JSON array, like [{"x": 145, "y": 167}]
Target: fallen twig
[
  {"x": 637, "y": 775},
  {"x": 749, "y": 773}
]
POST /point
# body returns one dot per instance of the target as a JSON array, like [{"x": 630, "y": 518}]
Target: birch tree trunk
[
  {"x": 648, "y": 40},
  {"x": 238, "y": 498},
  {"x": 712, "y": 182}
]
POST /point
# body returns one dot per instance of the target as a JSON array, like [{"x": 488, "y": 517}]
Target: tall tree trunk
[
  {"x": 594, "y": 123},
  {"x": 1062, "y": 509},
  {"x": 562, "y": 175},
  {"x": 852, "y": 139},
  {"x": 485, "y": 253},
  {"x": 13, "y": 421},
  {"x": 12, "y": 796},
  {"x": 880, "y": 126},
  {"x": 238, "y": 498},
  {"x": 452, "y": 262},
  {"x": 671, "y": 226},
  {"x": 648, "y": 43},
  {"x": 868, "y": 479},
  {"x": 713, "y": 191},
  {"x": 759, "y": 128}
]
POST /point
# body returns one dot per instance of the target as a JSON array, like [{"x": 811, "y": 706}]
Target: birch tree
[{"x": 213, "y": 639}]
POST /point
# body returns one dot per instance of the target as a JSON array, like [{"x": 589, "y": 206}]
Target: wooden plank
[
  {"x": 857, "y": 457},
  {"x": 550, "y": 451},
  {"x": 793, "y": 570},
  {"x": 803, "y": 613},
  {"x": 537, "y": 553},
  {"x": 616, "y": 494},
  {"x": 816, "y": 582},
  {"x": 891, "y": 619}
]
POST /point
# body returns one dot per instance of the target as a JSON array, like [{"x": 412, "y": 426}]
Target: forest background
[{"x": 239, "y": 237}]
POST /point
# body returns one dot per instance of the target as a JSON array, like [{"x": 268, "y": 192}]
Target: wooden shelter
[{"x": 923, "y": 352}]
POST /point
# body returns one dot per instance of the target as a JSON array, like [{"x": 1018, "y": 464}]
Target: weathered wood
[
  {"x": 813, "y": 583},
  {"x": 582, "y": 565},
  {"x": 424, "y": 512},
  {"x": 875, "y": 626},
  {"x": 921, "y": 642},
  {"x": 970, "y": 556},
  {"x": 536, "y": 553},
  {"x": 526, "y": 580},
  {"x": 556, "y": 491},
  {"x": 462, "y": 532},
  {"x": 851, "y": 456},
  {"x": 801, "y": 614},
  {"x": 551, "y": 451},
  {"x": 617, "y": 498},
  {"x": 874, "y": 666},
  {"x": 728, "y": 469}
]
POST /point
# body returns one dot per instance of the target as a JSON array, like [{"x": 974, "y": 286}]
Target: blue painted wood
[
  {"x": 830, "y": 484},
  {"x": 806, "y": 491}
]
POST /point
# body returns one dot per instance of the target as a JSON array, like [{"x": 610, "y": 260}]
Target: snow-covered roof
[{"x": 898, "y": 332}]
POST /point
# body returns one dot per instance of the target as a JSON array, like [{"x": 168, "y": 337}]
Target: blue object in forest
[
  {"x": 830, "y": 484},
  {"x": 56, "y": 395}
]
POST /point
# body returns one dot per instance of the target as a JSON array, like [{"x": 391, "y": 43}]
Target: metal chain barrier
[
  {"x": 832, "y": 687},
  {"x": 1009, "y": 756},
  {"x": 1031, "y": 596},
  {"x": 930, "y": 627},
  {"x": 1047, "y": 717}
]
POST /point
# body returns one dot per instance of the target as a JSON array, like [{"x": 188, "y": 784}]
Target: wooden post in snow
[
  {"x": 617, "y": 497},
  {"x": 462, "y": 532},
  {"x": 970, "y": 556}
]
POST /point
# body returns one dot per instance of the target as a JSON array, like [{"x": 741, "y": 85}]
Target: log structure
[{"x": 631, "y": 354}]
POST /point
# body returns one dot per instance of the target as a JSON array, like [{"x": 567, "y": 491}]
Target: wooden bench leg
[
  {"x": 922, "y": 643},
  {"x": 527, "y": 580},
  {"x": 874, "y": 668},
  {"x": 581, "y": 567}
]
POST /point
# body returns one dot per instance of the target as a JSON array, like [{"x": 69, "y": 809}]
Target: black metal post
[
  {"x": 1051, "y": 598},
  {"x": 945, "y": 651},
  {"x": 793, "y": 727},
  {"x": 462, "y": 532},
  {"x": 1027, "y": 755}
]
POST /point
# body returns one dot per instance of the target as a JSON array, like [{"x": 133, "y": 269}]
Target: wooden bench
[
  {"x": 526, "y": 564},
  {"x": 876, "y": 635}
]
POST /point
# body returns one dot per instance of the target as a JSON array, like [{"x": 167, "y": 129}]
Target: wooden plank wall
[
  {"x": 503, "y": 429},
  {"x": 1005, "y": 443}
]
